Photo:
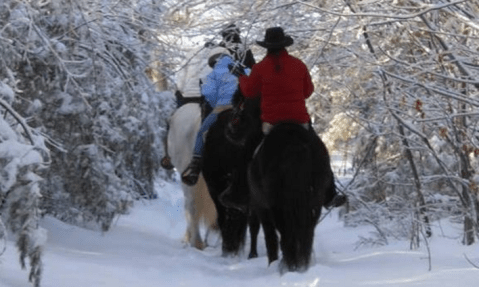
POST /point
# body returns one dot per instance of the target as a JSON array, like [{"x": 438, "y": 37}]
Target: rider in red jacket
[{"x": 283, "y": 83}]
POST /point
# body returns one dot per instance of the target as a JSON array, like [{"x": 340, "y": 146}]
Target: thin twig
[
  {"x": 393, "y": 16},
  {"x": 427, "y": 247},
  {"x": 3, "y": 232},
  {"x": 470, "y": 262},
  {"x": 19, "y": 119}
]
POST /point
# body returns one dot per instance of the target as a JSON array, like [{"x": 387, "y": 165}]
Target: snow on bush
[{"x": 22, "y": 157}]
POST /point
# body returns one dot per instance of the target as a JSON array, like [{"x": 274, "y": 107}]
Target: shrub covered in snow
[
  {"x": 80, "y": 71},
  {"x": 23, "y": 156}
]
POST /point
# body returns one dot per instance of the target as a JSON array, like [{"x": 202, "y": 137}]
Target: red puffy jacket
[{"x": 283, "y": 93}]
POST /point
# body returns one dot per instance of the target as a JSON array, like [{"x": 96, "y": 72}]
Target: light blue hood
[{"x": 220, "y": 84}]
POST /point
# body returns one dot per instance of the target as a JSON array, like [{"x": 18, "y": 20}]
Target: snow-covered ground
[{"x": 144, "y": 248}]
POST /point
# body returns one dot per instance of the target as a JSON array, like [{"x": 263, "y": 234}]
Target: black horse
[
  {"x": 283, "y": 183},
  {"x": 290, "y": 179},
  {"x": 287, "y": 193},
  {"x": 225, "y": 160}
]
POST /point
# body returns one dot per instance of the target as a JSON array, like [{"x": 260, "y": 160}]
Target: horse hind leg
[
  {"x": 205, "y": 208},
  {"x": 192, "y": 236},
  {"x": 254, "y": 226},
  {"x": 199, "y": 208},
  {"x": 270, "y": 236}
]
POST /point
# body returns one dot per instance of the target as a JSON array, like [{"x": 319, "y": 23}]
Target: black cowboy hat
[{"x": 275, "y": 38}]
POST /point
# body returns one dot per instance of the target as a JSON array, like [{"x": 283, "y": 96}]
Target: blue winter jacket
[{"x": 220, "y": 84}]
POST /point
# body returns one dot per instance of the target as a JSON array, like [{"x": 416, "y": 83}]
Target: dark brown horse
[
  {"x": 227, "y": 152},
  {"x": 290, "y": 183}
]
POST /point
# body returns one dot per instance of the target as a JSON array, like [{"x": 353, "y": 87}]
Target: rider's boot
[
  {"x": 192, "y": 172},
  {"x": 166, "y": 163}
]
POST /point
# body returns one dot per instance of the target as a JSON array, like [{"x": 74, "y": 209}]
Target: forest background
[{"x": 86, "y": 90}]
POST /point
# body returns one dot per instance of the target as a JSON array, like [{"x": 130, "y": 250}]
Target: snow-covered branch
[
  {"x": 19, "y": 119},
  {"x": 424, "y": 9}
]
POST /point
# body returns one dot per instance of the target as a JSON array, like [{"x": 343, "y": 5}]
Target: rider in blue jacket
[{"x": 218, "y": 90}]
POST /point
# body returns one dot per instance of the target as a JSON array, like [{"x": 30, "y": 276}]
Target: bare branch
[
  {"x": 470, "y": 262},
  {"x": 19, "y": 119},
  {"x": 393, "y": 16}
]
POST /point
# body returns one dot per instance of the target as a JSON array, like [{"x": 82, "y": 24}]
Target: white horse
[
  {"x": 183, "y": 128},
  {"x": 199, "y": 206}
]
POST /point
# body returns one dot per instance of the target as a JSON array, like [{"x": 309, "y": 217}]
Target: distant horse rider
[
  {"x": 195, "y": 73},
  {"x": 232, "y": 42},
  {"x": 218, "y": 90},
  {"x": 190, "y": 78}
]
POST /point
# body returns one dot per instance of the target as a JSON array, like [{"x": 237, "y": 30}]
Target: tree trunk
[
  {"x": 466, "y": 173},
  {"x": 421, "y": 202}
]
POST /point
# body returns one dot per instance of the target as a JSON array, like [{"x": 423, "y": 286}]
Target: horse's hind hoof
[
  {"x": 253, "y": 255},
  {"x": 200, "y": 245}
]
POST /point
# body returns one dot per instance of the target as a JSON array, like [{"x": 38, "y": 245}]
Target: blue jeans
[{"x": 207, "y": 123}]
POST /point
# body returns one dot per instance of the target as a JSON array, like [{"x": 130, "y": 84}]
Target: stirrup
[
  {"x": 192, "y": 172},
  {"x": 190, "y": 179}
]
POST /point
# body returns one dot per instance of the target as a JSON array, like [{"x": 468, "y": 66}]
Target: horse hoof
[
  {"x": 253, "y": 255},
  {"x": 215, "y": 227},
  {"x": 199, "y": 245}
]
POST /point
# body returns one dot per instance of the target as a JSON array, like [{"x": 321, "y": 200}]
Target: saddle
[
  {"x": 267, "y": 127},
  {"x": 181, "y": 100}
]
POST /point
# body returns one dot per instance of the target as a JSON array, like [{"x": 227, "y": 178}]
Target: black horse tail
[{"x": 296, "y": 219}]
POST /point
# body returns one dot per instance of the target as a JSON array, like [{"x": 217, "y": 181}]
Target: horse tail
[{"x": 296, "y": 204}]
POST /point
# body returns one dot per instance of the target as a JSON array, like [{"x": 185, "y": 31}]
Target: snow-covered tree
[
  {"x": 403, "y": 74},
  {"x": 75, "y": 97},
  {"x": 396, "y": 89},
  {"x": 416, "y": 101},
  {"x": 23, "y": 156},
  {"x": 80, "y": 69}
]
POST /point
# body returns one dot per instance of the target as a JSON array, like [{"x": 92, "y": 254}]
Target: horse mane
[
  {"x": 238, "y": 98},
  {"x": 245, "y": 123}
]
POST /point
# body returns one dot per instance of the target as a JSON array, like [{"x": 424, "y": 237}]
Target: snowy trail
[{"x": 144, "y": 248}]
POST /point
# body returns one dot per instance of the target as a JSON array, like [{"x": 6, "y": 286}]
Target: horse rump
[{"x": 283, "y": 194}]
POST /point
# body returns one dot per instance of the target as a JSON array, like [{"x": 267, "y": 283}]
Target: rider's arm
[
  {"x": 308, "y": 86},
  {"x": 209, "y": 89},
  {"x": 251, "y": 85}
]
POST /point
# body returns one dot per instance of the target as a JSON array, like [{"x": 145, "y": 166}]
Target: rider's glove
[{"x": 236, "y": 69}]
